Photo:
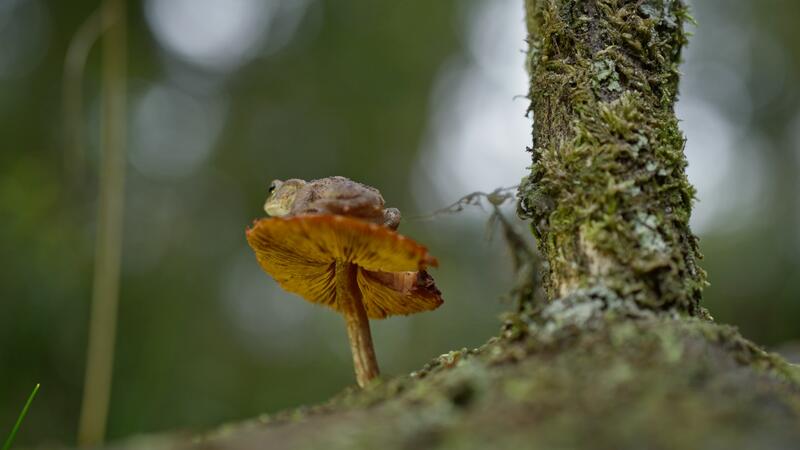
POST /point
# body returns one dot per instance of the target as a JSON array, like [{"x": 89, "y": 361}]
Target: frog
[{"x": 332, "y": 195}]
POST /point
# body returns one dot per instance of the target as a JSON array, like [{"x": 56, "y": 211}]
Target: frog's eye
[{"x": 273, "y": 186}]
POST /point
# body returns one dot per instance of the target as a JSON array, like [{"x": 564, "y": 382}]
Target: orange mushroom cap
[{"x": 301, "y": 252}]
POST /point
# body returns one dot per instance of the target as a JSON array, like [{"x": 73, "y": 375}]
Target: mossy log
[
  {"x": 619, "y": 353},
  {"x": 599, "y": 381}
]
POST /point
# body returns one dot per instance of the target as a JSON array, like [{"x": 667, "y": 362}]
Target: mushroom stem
[{"x": 348, "y": 296}]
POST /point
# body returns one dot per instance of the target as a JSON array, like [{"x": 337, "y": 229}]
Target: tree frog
[{"x": 331, "y": 195}]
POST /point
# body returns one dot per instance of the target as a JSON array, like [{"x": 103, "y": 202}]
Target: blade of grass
[{"x": 21, "y": 417}]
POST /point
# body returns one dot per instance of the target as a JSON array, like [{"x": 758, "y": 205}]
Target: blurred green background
[{"x": 416, "y": 98}]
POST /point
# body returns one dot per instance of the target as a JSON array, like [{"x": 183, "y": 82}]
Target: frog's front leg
[{"x": 391, "y": 218}]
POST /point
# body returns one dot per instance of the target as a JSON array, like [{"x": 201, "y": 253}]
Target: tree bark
[{"x": 608, "y": 195}]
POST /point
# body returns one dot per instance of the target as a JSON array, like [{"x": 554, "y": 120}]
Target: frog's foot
[{"x": 391, "y": 218}]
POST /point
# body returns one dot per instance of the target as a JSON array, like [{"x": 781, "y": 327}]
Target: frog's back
[{"x": 340, "y": 195}]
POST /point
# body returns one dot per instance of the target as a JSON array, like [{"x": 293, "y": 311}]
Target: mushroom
[{"x": 360, "y": 269}]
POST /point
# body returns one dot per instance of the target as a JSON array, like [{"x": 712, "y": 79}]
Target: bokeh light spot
[
  {"x": 173, "y": 132},
  {"x": 477, "y": 131},
  {"x": 24, "y": 33},
  {"x": 218, "y": 35}
]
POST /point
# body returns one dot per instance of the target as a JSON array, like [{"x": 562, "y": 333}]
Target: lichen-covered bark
[{"x": 607, "y": 194}]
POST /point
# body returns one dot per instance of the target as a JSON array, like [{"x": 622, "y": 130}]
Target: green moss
[{"x": 608, "y": 195}]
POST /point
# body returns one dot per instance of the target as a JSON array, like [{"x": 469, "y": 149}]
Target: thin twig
[
  {"x": 108, "y": 246},
  {"x": 72, "y": 93},
  {"x": 496, "y": 197},
  {"x": 525, "y": 259}
]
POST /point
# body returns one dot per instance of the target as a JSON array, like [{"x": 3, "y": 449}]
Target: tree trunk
[
  {"x": 608, "y": 195},
  {"x": 619, "y": 354}
]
